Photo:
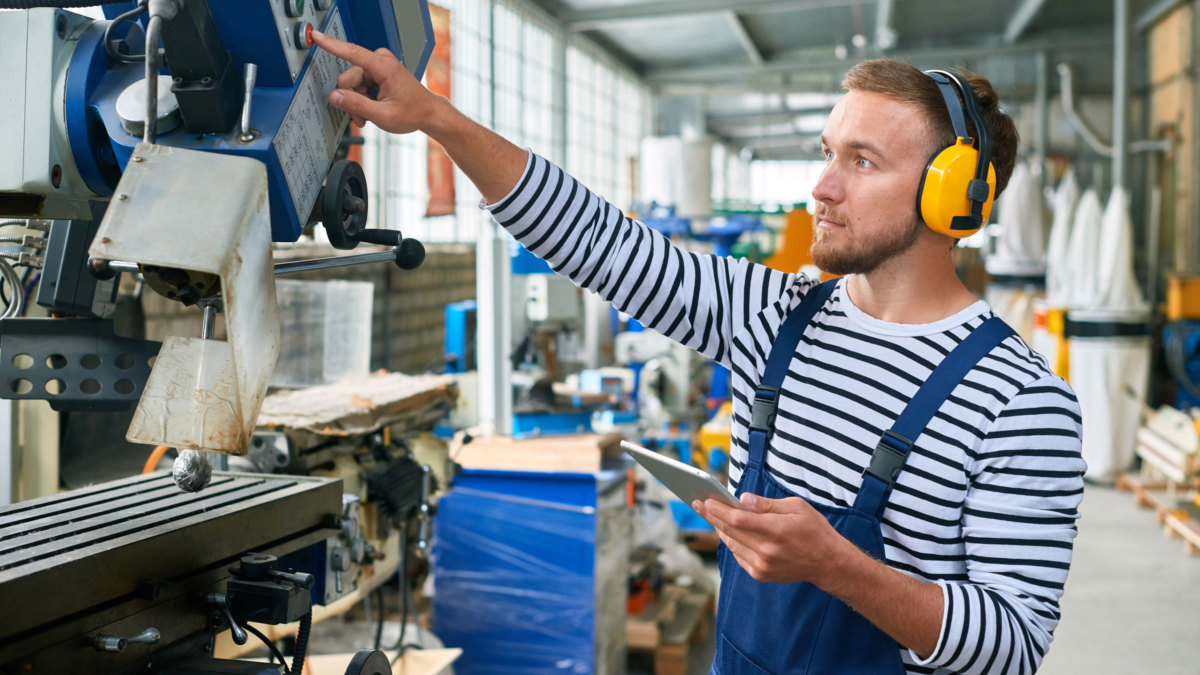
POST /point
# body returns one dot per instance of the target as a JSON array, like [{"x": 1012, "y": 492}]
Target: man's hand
[
  {"x": 788, "y": 541},
  {"x": 777, "y": 540},
  {"x": 402, "y": 105}
]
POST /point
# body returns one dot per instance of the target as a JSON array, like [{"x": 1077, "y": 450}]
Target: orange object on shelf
[
  {"x": 641, "y": 595},
  {"x": 1183, "y": 298},
  {"x": 795, "y": 243}
]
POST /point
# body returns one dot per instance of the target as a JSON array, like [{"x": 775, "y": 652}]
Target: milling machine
[{"x": 175, "y": 141}]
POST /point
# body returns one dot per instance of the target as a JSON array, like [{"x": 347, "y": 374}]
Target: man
[{"x": 958, "y": 563}]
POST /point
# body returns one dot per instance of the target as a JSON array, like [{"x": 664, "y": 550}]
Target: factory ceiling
[{"x": 763, "y": 68}]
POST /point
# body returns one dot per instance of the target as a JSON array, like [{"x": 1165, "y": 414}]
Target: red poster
[{"x": 437, "y": 78}]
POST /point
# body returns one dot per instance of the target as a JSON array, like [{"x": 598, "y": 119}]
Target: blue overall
[{"x": 798, "y": 628}]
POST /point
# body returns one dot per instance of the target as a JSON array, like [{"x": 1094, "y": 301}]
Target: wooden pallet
[
  {"x": 685, "y": 619},
  {"x": 1163, "y": 497}
]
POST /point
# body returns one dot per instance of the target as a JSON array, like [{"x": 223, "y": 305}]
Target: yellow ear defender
[{"x": 956, "y": 192}]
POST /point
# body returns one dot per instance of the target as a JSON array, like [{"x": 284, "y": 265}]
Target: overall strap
[
  {"x": 892, "y": 452},
  {"x": 766, "y": 395}
]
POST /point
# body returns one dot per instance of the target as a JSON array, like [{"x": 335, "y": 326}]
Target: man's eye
[
  {"x": 865, "y": 163},
  {"x": 828, "y": 155}
]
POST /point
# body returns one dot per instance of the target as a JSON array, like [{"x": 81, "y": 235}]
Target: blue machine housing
[{"x": 102, "y": 147}]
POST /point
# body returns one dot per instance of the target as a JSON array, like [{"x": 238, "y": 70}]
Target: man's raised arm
[
  {"x": 403, "y": 105},
  {"x": 697, "y": 300}
]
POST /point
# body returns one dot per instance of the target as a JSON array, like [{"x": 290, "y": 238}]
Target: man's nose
[{"x": 829, "y": 186}]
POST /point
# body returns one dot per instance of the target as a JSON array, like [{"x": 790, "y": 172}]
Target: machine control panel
[
  {"x": 308, "y": 138},
  {"x": 294, "y": 22}
]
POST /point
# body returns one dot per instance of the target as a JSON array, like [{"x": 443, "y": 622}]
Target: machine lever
[
  {"x": 220, "y": 602},
  {"x": 116, "y": 645},
  {"x": 246, "y": 134},
  {"x": 302, "y": 579},
  {"x": 406, "y": 253}
]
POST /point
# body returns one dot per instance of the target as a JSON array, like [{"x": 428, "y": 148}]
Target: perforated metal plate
[{"x": 75, "y": 364}]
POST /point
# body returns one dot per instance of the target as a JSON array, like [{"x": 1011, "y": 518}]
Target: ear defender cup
[
  {"x": 959, "y": 183},
  {"x": 942, "y": 196}
]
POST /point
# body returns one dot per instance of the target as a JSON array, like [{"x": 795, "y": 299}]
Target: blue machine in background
[
  {"x": 1181, "y": 346},
  {"x": 460, "y": 336}
]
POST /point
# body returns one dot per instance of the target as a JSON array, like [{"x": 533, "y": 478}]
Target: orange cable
[{"x": 152, "y": 461}]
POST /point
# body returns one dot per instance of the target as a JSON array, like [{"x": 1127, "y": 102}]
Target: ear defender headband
[{"x": 956, "y": 192}]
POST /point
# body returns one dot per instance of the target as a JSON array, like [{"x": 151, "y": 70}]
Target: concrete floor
[{"x": 1132, "y": 603}]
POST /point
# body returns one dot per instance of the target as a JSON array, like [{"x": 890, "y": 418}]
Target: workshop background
[{"x": 432, "y": 467}]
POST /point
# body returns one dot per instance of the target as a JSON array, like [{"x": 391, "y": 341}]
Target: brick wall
[{"x": 408, "y": 326}]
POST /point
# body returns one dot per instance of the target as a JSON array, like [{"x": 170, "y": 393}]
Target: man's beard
[{"x": 861, "y": 257}]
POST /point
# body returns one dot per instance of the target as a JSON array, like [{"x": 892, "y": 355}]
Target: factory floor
[{"x": 1132, "y": 603}]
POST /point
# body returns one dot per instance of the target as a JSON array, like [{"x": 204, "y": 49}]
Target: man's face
[{"x": 875, "y": 150}]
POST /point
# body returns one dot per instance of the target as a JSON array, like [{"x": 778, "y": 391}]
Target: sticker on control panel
[{"x": 308, "y": 138}]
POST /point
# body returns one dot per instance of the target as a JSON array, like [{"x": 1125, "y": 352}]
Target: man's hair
[{"x": 905, "y": 83}]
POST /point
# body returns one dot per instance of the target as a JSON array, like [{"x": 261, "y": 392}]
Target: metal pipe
[
  {"x": 1161, "y": 145},
  {"x": 493, "y": 283},
  {"x": 1041, "y": 106},
  {"x": 1120, "y": 92},
  {"x": 885, "y": 34},
  {"x": 1073, "y": 118},
  {"x": 150, "y": 127},
  {"x": 1151, "y": 16},
  {"x": 290, "y": 267},
  {"x": 208, "y": 327},
  {"x": 1020, "y": 20},
  {"x": 1153, "y": 222},
  {"x": 123, "y": 266}
]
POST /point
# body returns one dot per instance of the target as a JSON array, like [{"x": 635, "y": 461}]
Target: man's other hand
[
  {"x": 777, "y": 540},
  {"x": 401, "y": 105}
]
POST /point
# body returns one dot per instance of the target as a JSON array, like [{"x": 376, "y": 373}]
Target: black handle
[{"x": 410, "y": 253}]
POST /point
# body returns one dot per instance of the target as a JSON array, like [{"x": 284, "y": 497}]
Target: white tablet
[{"x": 687, "y": 482}]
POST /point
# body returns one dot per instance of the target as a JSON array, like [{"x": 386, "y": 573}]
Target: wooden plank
[
  {"x": 690, "y": 624},
  {"x": 1181, "y": 524},
  {"x": 671, "y": 659},
  {"x": 579, "y": 453},
  {"x": 1176, "y": 522},
  {"x": 641, "y": 636},
  {"x": 1169, "y": 42},
  {"x": 644, "y": 631}
]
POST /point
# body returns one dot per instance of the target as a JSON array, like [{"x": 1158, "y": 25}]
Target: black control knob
[{"x": 410, "y": 254}]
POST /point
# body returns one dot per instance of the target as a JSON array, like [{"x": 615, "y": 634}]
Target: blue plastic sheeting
[{"x": 515, "y": 572}]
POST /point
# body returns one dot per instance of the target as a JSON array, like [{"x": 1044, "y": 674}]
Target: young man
[{"x": 952, "y": 557}]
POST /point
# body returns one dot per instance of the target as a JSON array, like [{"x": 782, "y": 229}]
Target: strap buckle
[
  {"x": 762, "y": 412},
  {"x": 889, "y": 457}
]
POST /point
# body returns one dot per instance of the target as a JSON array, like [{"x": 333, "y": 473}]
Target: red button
[{"x": 308, "y": 30}]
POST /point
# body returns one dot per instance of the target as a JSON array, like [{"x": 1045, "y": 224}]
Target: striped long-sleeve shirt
[{"x": 987, "y": 503}]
